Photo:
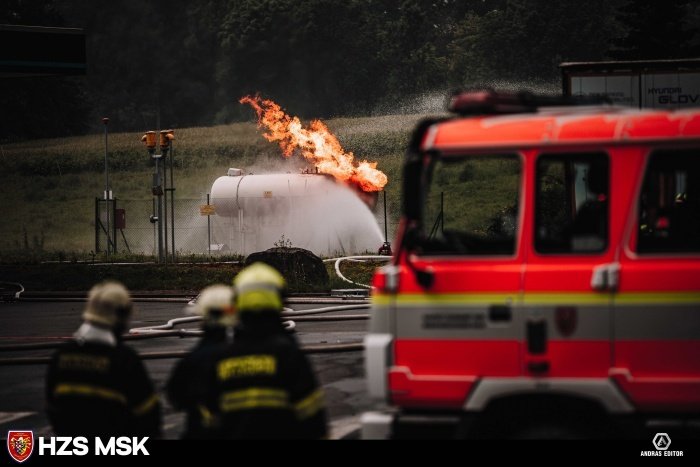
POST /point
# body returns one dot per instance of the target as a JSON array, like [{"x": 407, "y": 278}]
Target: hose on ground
[
  {"x": 167, "y": 329},
  {"x": 310, "y": 349},
  {"x": 355, "y": 258}
]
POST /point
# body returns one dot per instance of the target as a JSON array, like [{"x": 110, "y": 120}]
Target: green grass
[
  {"x": 476, "y": 193},
  {"x": 185, "y": 278},
  {"x": 48, "y": 187}
]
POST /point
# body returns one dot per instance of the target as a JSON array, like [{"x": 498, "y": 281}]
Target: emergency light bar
[{"x": 490, "y": 102}]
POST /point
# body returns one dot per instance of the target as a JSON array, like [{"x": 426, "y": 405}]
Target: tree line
[{"x": 177, "y": 63}]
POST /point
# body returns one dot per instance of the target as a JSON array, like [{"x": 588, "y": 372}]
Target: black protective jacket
[
  {"x": 95, "y": 389},
  {"x": 262, "y": 386},
  {"x": 186, "y": 388}
]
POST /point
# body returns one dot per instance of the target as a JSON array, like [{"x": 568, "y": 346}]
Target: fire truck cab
[{"x": 545, "y": 276}]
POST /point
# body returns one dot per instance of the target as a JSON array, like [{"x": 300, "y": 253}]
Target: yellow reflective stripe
[
  {"x": 447, "y": 299},
  {"x": 656, "y": 298},
  {"x": 310, "y": 405},
  {"x": 567, "y": 298},
  {"x": 206, "y": 415},
  {"x": 146, "y": 405},
  {"x": 87, "y": 390},
  {"x": 247, "y": 365},
  {"x": 254, "y": 398},
  {"x": 541, "y": 298}
]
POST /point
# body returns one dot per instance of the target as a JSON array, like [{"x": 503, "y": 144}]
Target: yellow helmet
[
  {"x": 215, "y": 305},
  {"x": 109, "y": 304},
  {"x": 258, "y": 287}
]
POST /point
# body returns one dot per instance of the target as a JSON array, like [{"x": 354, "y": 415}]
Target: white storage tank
[{"x": 257, "y": 212}]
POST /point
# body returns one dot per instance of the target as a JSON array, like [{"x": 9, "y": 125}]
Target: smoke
[
  {"x": 435, "y": 102},
  {"x": 307, "y": 211}
]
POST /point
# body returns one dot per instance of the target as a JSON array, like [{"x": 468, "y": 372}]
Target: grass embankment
[
  {"x": 48, "y": 187},
  {"x": 183, "y": 278}
]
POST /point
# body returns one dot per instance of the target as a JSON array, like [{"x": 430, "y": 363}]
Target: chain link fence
[
  {"x": 389, "y": 224},
  {"x": 136, "y": 227},
  {"x": 133, "y": 227}
]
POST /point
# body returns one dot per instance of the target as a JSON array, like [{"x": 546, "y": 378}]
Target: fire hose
[
  {"x": 311, "y": 349},
  {"x": 167, "y": 330},
  {"x": 14, "y": 294},
  {"x": 354, "y": 258}
]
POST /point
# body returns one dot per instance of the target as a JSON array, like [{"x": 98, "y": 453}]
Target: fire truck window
[
  {"x": 472, "y": 206},
  {"x": 669, "y": 204},
  {"x": 571, "y": 204}
]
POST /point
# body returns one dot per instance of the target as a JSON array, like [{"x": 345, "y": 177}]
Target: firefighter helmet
[
  {"x": 215, "y": 305},
  {"x": 109, "y": 304},
  {"x": 258, "y": 288}
]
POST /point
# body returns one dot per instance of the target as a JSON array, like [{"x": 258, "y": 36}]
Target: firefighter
[
  {"x": 185, "y": 387},
  {"x": 262, "y": 385},
  {"x": 96, "y": 385}
]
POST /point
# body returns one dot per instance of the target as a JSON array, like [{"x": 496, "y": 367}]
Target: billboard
[{"x": 664, "y": 84}]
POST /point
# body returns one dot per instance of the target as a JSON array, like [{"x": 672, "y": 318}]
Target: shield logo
[
  {"x": 20, "y": 444},
  {"x": 566, "y": 320}
]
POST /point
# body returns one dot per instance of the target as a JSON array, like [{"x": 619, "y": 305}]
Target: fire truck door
[
  {"x": 463, "y": 324},
  {"x": 657, "y": 307},
  {"x": 567, "y": 297}
]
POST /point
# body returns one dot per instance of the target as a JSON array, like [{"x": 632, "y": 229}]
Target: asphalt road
[{"x": 22, "y": 387}]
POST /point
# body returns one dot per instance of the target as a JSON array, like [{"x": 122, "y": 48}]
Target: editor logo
[
  {"x": 20, "y": 444},
  {"x": 662, "y": 441}
]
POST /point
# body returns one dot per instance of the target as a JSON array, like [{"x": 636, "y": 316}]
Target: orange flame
[{"x": 316, "y": 143}]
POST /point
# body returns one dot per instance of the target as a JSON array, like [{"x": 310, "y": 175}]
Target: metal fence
[
  {"x": 393, "y": 215},
  {"x": 138, "y": 232},
  {"x": 132, "y": 228}
]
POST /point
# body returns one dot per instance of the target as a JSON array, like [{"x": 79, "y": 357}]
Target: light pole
[
  {"x": 149, "y": 139},
  {"x": 172, "y": 192},
  {"x": 107, "y": 194},
  {"x": 166, "y": 145}
]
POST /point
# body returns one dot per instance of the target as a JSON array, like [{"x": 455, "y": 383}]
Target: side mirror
[{"x": 424, "y": 277}]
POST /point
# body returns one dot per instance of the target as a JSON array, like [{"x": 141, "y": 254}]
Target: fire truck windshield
[{"x": 471, "y": 207}]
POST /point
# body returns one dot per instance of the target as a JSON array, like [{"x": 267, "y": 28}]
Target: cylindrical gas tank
[
  {"x": 229, "y": 192},
  {"x": 311, "y": 211}
]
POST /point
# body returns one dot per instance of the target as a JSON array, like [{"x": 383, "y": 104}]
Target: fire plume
[{"x": 316, "y": 143}]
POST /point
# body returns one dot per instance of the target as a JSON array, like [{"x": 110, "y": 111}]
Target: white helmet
[
  {"x": 109, "y": 304},
  {"x": 215, "y": 306}
]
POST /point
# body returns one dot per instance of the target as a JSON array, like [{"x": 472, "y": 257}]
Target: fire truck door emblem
[{"x": 566, "y": 319}]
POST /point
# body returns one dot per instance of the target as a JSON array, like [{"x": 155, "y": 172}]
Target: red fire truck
[{"x": 546, "y": 274}]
